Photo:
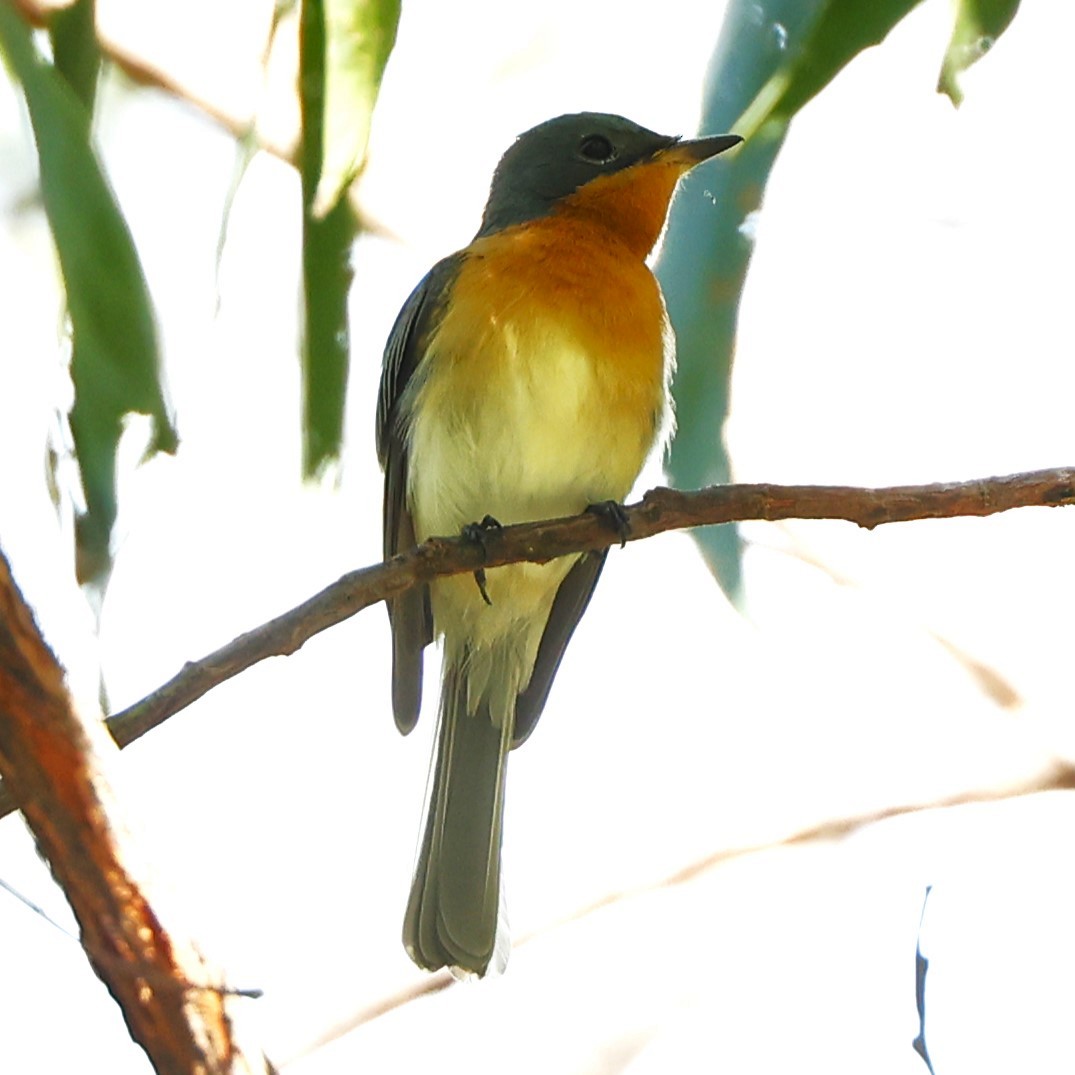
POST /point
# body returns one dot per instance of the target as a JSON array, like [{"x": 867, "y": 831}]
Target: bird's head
[{"x": 597, "y": 165}]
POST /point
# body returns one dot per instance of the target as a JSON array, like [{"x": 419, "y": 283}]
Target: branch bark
[
  {"x": 659, "y": 510},
  {"x": 40, "y": 13},
  {"x": 55, "y": 763}
]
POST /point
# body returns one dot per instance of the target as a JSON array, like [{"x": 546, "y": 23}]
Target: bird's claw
[
  {"x": 477, "y": 533},
  {"x": 479, "y": 578},
  {"x": 614, "y": 514}
]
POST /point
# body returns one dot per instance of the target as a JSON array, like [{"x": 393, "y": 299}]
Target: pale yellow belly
[
  {"x": 539, "y": 438},
  {"x": 521, "y": 426}
]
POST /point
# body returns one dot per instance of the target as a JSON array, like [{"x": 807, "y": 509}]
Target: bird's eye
[{"x": 597, "y": 149}]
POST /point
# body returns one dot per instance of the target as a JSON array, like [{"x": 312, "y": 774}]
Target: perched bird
[{"x": 526, "y": 377}]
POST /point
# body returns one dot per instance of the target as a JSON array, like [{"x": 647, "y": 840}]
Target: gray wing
[
  {"x": 567, "y": 609},
  {"x": 410, "y": 614}
]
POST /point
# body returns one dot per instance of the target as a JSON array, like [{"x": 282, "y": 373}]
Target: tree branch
[
  {"x": 56, "y": 762},
  {"x": 659, "y": 510}
]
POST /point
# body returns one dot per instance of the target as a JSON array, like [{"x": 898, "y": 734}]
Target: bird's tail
[{"x": 454, "y": 909}]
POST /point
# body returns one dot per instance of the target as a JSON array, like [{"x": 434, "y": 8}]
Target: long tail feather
[{"x": 454, "y": 908}]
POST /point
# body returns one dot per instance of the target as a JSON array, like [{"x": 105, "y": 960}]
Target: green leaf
[
  {"x": 705, "y": 256},
  {"x": 839, "y": 32},
  {"x": 76, "y": 53},
  {"x": 115, "y": 361},
  {"x": 359, "y": 37},
  {"x": 773, "y": 56},
  {"x": 978, "y": 25},
  {"x": 343, "y": 48},
  {"x": 327, "y": 276}
]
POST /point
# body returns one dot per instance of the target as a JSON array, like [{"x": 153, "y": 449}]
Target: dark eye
[{"x": 597, "y": 149}]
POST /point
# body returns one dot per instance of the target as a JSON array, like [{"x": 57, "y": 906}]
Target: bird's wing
[
  {"x": 567, "y": 609},
  {"x": 410, "y": 614}
]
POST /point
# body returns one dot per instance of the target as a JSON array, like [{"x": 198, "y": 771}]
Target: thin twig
[
  {"x": 659, "y": 510},
  {"x": 1059, "y": 776}
]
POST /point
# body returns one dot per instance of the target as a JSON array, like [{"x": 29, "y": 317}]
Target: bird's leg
[
  {"x": 614, "y": 515},
  {"x": 477, "y": 532}
]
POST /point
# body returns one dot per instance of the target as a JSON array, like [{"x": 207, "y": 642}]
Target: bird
[{"x": 526, "y": 377}]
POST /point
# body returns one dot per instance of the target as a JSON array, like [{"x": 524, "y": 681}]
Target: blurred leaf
[
  {"x": 839, "y": 32},
  {"x": 705, "y": 255},
  {"x": 247, "y": 145},
  {"x": 114, "y": 362},
  {"x": 921, "y": 969},
  {"x": 978, "y": 25},
  {"x": 359, "y": 38},
  {"x": 327, "y": 276},
  {"x": 772, "y": 57},
  {"x": 343, "y": 48},
  {"x": 76, "y": 53}
]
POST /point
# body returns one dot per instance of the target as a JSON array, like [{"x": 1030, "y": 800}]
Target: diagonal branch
[
  {"x": 57, "y": 760},
  {"x": 659, "y": 510}
]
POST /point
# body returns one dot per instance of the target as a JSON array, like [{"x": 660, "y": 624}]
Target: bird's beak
[{"x": 693, "y": 151}]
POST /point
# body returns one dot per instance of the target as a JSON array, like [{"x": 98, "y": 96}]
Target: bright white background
[{"x": 907, "y": 318}]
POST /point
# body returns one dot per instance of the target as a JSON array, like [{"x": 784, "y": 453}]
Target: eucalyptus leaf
[
  {"x": 343, "y": 48},
  {"x": 773, "y": 56},
  {"x": 115, "y": 361},
  {"x": 839, "y": 32},
  {"x": 359, "y": 36},
  {"x": 707, "y": 251},
  {"x": 978, "y": 25},
  {"x": 76, "y": 53}
]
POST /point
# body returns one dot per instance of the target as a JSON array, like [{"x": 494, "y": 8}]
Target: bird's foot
[
  {"x": 479, "y": 578},
  {"x": 477, "y": 533},
  {"x": 614, "y": 515}
]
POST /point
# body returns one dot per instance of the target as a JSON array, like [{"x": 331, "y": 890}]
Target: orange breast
[
  {"x": 631, "y": 204},
  {"x": 572, "y": 273},
  {"x": 545, "y": 382}
]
